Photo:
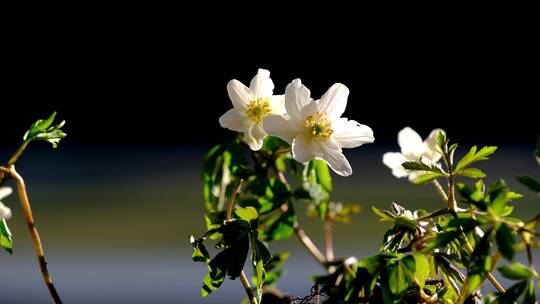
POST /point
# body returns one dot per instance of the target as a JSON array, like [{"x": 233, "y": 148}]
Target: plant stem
[
  {"x": 452, "y": 206},
  {"x": 243, "y": 278},
  {"x": 17, "y": 153},
  {"x": 21, "y": 187},
  {"x": 440, "y": 190},
  {"x": 300, "y": 233},
  {"x": 247, "y": 287},
  {"x": 230, "y": 205},
  {"x": 328, "y": 240},
  {"x": 310, "y": 246}
]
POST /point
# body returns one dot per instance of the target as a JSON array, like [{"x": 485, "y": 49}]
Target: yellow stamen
[
  {"x": 258, "y": 109},
  {"x": 319, "y": 126}
]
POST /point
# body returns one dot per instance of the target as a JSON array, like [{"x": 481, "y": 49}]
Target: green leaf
[
  {"x": 473, "y": 156},
  {"x": 200, "y": 254},
  {"x": 422, "y": 268},
  {"x": 530, "y": 182},
  {"x": 440, "y": 138},
  {"x": 422, "y": 179},
  {"x": 472, "y": 173},
  {"x": 513, "y": 293},
  {"x": 272, "y": 144},
  {"x": 274, "y": 267},
  {"x": 323, "y": 174},
  {"x": 505, "y": 241},
  {"x": 385, "y": 215},
  {"x": 282, "y": 227},
  {"x": 498, "y": 203},
  {"x": 5, "y": 237},
  {"x": 401, "y": 274},
  {"x": 247, "y": 214},
  {"x": 479, "y": 262},
  {"x": 530, "y": 296},
  {"x": 515, "y": 271},
  {"x": 43, "y": 130},
  {"x": 419, "y": 166},
  {"x": 212, "y": 282}
]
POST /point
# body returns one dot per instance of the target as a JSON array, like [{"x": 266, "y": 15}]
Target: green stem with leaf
[
  {"x": 452, "y": 208},
  {"x": 41, "y": 130},
  {"x": 243, "y": 279}
]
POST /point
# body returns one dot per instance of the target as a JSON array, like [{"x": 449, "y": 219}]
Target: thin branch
[
  {"x": 21, "y": 187},
  {"x": 230, "y": 205},
  {"x": 310, "y": 246},
  {"x": 440, "y": 190},
  {"x": 17, "y": 153},
  {"x": 299, "y": 232},
  {"x": 328, "y": 240}
]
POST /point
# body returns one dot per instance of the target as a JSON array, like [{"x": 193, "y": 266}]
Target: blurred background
[{"x": 116, "y": 202}]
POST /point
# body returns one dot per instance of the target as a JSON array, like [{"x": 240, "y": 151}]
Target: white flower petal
[
  {"x": 431, "y": 144},
  {"x": 334, "y": 101},
  {"x": 277, "y": 125},
  {"x": 261, "y": 85},
  {"x": 336, "y": 160},
  {"x": 394, "y": 160},
  {"x": 297, "y": 96},
  {"x": 5, "y": 192},
  {"x": 303, "y": 149},
  {"x": 233, "y": 120},
  {"x": 277, "y": 104},
  {"x": 410, "y": 142},
  {"x": 350, "y": 134},
  {"x": 254, "y": 137},
  {"x": 239, "y": 94},
  {"x": 5, "y": 212}
]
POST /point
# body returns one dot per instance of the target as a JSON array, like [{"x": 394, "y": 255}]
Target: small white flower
[
  {"x": 412, "y": 149},
  {"x": 250, "y": 106},
  {"x": 5, "y": 212},
  {"x": 315, "y": 129}
]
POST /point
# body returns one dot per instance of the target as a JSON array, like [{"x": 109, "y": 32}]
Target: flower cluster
[{"x": 313, "y": 128}]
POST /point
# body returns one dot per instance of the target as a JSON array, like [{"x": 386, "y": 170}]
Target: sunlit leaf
[
  {"x": 5, "y": 236},
  {"x": 515, "y": 271}
]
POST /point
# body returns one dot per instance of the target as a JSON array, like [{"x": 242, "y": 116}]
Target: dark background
[{"x": 150, "y": 80}]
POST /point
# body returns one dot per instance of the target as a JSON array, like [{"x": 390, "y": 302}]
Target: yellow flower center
[
  {"x": 258, "y": 109},
  {"x": 319, "y": 126}
]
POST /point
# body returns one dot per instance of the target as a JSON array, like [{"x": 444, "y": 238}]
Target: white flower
[
  {"x": 412, "y": 149},
  {"x": 315, "y": 129},
  {"x": 5, "y": 212},
  {"x": 250, "y": 106}
]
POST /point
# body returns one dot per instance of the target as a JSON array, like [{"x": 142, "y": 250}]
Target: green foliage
[
  {"x": 5, "y": 237},
  {"x": 473, "y": 156},
  {"x": 516, "y": 271},
  {"x": 237, "y": 237},
  {"x": 44, "y": 130},
  {"x": 530, "y": 182},
  {"x": 438, "y": 256}
]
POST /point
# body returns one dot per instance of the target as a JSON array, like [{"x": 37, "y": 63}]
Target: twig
[
  {"x": 17, "y": 154},
  {"x": 328, "y": 240},
  {"x": 300, "y": 233},
  {"x": 21, "y": 187},
  {"x": 310, "y": 246}
]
